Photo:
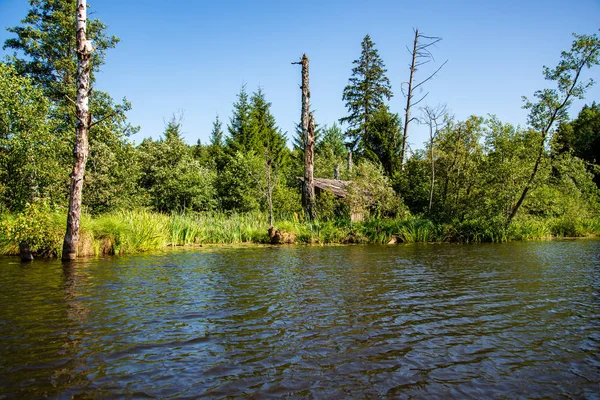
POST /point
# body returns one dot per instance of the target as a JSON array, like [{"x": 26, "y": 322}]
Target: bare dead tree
[
  {"x": 308, "y": 134},
  {"x": 81, "y": 150},
  {"x": 420, "y": 55},
  {"x": 433, "y": 117}
]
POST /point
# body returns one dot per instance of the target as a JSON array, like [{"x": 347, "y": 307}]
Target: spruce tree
[
  {"x": 264, "y": 135},
  {"x": 269, "y": 142},
  {"x": 383, "y": 140},
  {"x": 239, "y": 123},
  {"x": 366, "y": 92},
  {"x": 216, "y": 135}
]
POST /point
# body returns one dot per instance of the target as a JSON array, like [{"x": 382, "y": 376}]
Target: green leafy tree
[
  {"x": 174, "y": 180},
  {"x": 44, "y": 49},
  {"x": 505, "y": 169},
  {"x": 371, "y": 193},
  {"x": 460, "y": 156},
  {"x": 366, "y": 92},
  {"x": 30, "y": 163},
  {"x": 582, "y": 135},
  {"x": 236, "y": 187},
  {"x": 45, "y": 46},
  {"x": 552, "y": 104},
  {"x": 112, "y": 178},
  {"x": 414, "y": 183},
  {"x": 568, "y": 191}
]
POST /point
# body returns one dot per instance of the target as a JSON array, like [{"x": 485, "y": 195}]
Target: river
[{"x": 516, "y": 320}]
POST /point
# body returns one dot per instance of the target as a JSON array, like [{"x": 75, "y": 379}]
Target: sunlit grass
[{"x": 134, "y": 231}]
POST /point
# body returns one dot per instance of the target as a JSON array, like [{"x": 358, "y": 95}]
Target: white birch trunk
[{"x": 81, "y": 150}]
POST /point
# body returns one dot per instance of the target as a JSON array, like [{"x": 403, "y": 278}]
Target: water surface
[{"x": 518, "y": 320}]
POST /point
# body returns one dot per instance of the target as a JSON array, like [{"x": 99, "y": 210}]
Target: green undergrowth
[{"x": 133, "y": 231}]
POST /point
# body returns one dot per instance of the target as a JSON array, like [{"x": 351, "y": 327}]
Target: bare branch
[
  {"x": 71, "y": 100},
  {"x": 432, "y": 75},
  {"x": 420, "y": 100},
  {"x": 112, "y": 114}
]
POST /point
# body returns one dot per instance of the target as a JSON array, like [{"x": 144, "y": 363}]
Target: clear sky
[{"x": 194, "y": 55}]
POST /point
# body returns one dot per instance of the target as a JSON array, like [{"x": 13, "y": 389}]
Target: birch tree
[{"x": 81, "y": 150}]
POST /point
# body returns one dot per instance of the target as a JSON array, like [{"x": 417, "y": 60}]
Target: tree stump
[{"x": 25, "y": 251}]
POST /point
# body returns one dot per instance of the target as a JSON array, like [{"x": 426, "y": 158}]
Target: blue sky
[{"x": 195, "y": 55}]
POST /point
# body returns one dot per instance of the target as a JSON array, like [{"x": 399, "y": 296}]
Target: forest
[{"x": 477, "y": 180}]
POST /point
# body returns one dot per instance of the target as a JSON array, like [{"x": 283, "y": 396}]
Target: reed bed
[{"x": 134, "y": 231}]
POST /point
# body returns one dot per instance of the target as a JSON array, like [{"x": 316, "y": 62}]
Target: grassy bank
[{"x": 141, "y": 230}]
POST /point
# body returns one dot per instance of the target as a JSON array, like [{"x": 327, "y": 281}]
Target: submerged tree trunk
[
  {"x": 81, "y": 150},
  {"x": 308, "y": 133}
]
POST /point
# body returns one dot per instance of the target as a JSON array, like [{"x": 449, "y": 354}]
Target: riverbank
[{"x": 135, "y": 231}]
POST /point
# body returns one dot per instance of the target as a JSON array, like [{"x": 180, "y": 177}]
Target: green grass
[{"x": 134, "y": 231}]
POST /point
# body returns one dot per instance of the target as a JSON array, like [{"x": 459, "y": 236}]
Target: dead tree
[
  {"x": 308, "y": 136},
  {"x": 420, "y": 55},
  {"x": 432, "y": 118},
  {"x": 81, "y": 150}
]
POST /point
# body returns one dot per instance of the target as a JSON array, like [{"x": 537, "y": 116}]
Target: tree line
[{"x": 478, "y": 169}]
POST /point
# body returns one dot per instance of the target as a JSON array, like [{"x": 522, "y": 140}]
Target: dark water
[{"x": 515, "y": 320}]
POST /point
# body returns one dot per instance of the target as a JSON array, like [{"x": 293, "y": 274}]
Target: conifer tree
[
  {"x": 216, "y": 135},
  {"x": 366, "y": 92},
  {"x": 239, "y": 123},
  {"x": 264, "y": 135},
  {"x": 269, "y": 142},
  {"x": 383, "y": 139}
]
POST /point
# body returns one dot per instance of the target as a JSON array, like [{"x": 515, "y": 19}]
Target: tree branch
[
  {"x": 112, "y": 114},
  {"x": 431, "y": 76}
]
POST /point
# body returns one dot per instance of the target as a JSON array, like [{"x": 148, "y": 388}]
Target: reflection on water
[{"x": 427, "y": 321}]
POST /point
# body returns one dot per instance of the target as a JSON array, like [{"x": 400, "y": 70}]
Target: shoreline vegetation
[
  {"x": 137, "y": 231},
  {"x": 476, "y": 179}
]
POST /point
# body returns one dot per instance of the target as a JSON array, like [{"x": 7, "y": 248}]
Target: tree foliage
[
  {"x": 366, "y": 92},
  {"x": 383, "y": 140},
  {"x": 30, "y": 155},
  {"x": 582, "y": 135},
  {"x": 552, "y": 104}
]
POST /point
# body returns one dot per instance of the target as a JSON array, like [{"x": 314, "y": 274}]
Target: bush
[{"x": 42, "y": 227}]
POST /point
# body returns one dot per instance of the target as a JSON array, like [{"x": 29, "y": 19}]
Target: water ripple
[{"x": 438, "y": 321}]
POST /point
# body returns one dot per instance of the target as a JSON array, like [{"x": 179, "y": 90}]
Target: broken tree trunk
[
  {"x": 409, "y": 96},
  {"x": 81, "y": 150},
  {"x": 421, "y": 55},
  {"x": 308, "y": 133}
]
